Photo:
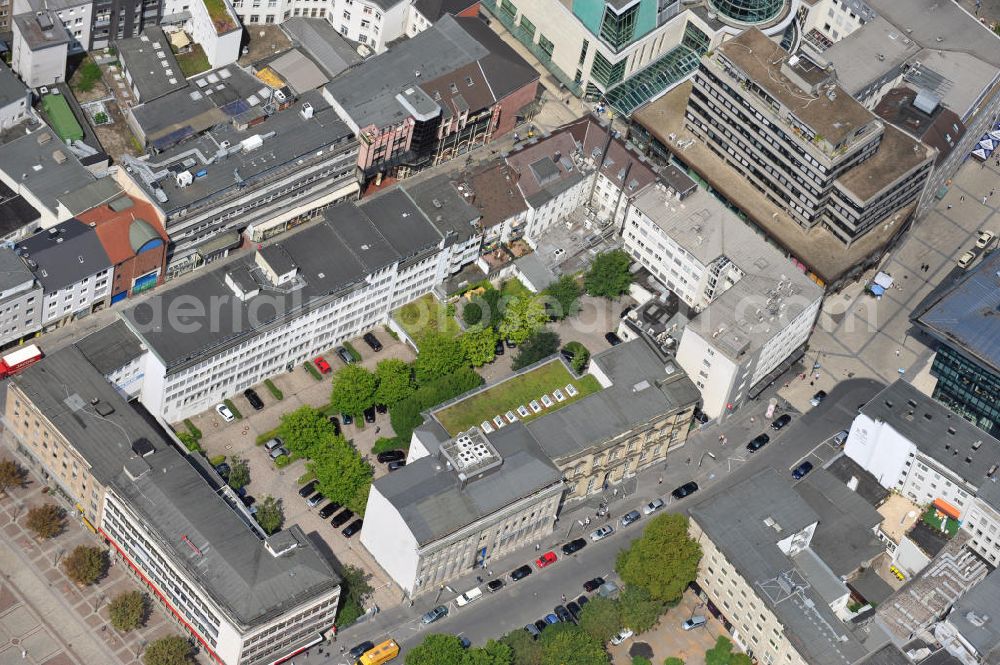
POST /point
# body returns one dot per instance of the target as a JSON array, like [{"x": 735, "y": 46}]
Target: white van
[{"x": 469, "y": 596}]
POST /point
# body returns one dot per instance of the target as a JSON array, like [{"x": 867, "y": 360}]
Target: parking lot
[
  {"x": 299, "y": 389},
  {"x": 668, "y": 637}
]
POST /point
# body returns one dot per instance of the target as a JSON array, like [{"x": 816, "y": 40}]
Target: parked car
[
  {"x": 223, "y": 470},
  {"x": 341, "y": 518},
  {"x": 758, "y": 442},
  {"x": 532, "y": 630},
  {"x": 546, "y": 559},
  {"x": 381, "y": 408},
  {"x": 390, "y": 456},
  {"x": 574, "y": 609},
  {"x": 345, "y": 355},
  {"x": 781, "y": 421},
  {"x": 602, "y": 533},
  {"x": 613, "y": 339},
  {"x": 582, "y": 600},
  {"x": 307, "y": 489},
  {"x": 694, "y": 622},
  {"x": 652, "y": 506},
  {"x": 498, "y": 349},
  {"x": 840, "y": 437},
  {"x": 397, "y": 465},
  {"x": 353, "y": 528},
  {"x": 372, "y": 341},
  {"x": 255, "y": 401},
  {"x": 360, "y": 650},
  {"x": 563, "y": 613},
  {"x": 551, "y": 619},
  {"x": 370, "y": 414},
  {"x": 984, "y": 239},
  {"x": 335, "y": 421},
  {"x": 520, "y": 573},
  {"x": 540, "y": 625},
  {"x": 802, "y": 470},
  {"x": 225, "y": 413},
  {"x": 278, "y": 452},
  {"x": 315, "y": 499},
  {"x": 272, "y": 443},
  {"x": 966, "y": 259},
  {"x": 322, "y": 365},
  {"x": 818, "y": 397},
  {"x": 347, "y": 418},
  {"x": 593, "y": 585},
  {"x": 685, "y": 490},
  {"x": 494, "y": 585},
  {"x": 329, "y": 509},
  {"x": 622, "y": 636},
  {"x": 248, "y": 500},
  {"x": 574, "y": 546},
  {"x": 437, "y": 613},
  {"x": 629, "y": 517}
]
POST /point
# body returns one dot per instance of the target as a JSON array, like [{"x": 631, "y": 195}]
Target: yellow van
[{"x": 382, "y": 653}]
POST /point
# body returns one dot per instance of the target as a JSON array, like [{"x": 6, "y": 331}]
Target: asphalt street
[{"x": 519, "y": 603}]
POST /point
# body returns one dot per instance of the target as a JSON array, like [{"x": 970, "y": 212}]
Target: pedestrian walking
[
  {"x": 949, "y": 206},
  {"x": 564, "y": 598},
  {"x": 984, "y": 200},
  {"x": 961, "y": 198},
  {"x": 537, "y": 547},
  {"x": 659, "y": 481}
]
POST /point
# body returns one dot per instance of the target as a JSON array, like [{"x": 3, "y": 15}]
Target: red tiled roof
[{"x": 113, "y": 227}]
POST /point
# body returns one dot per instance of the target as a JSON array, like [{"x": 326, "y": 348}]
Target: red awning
[{"x": 946, "y": 508}]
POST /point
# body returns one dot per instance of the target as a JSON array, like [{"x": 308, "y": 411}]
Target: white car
[
  {"x": 622, "y": 636},
  {"x": 652, "y": 506},
  {"x": 602, "y": 533},
  {"x": 966, "y": 259},
  {"x": 225, "y": 413},
  {"x": 985, "y": 238}
]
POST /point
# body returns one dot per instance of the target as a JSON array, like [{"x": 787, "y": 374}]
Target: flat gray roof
[
  {"x": 42, "y": 29},
  {"x": 64, "y": 254},
  {"x": 178, "y": 505},
  {"x": 299, "y": 72},
  {"x": 13, "y": 272},
  {"x": 110, "y": 348},
  {"x": 735, "y": 522},
  {"x": 872, "y": 50},
  {"x": 43, "y": 165},
  {"x": 11, "y": 87},
  {"x": 333, "y": 256},
  {"x": 642, "y": 390},
  {"x": 151, "y": 63},
  {"x": 976, "y": 615},
  {"x": 433, "y": 503},
  {"x": 954, "y": 442},
  {"x": 447, "y": 208},
  {"x": 396, "y": 216},
  {"x": 535, "y": 270},
  {"x": 322, "y": 43}
]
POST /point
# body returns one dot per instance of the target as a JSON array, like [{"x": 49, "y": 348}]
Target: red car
[
  {"x": 322, "y": 365},
  {"x": 545, "y": 559}
]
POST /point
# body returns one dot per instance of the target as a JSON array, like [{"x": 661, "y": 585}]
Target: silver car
[
  {"x": 652, "y": 506},
  {"x": 602, "y": 533},
  {"x": 438, "y": 612},
  {"x": 630, "y": 517}
]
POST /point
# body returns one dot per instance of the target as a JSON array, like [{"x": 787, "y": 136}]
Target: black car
[
  {"x": 307, "y": 489},
  {"x": 541, "y": 624},
  {"x": 800, "y": 472},
  {"x": 498, "y": 349},
  {"x": 574, "y": 609},
  {"x": 593, "y": 585},
  {"x": 390, "y": 456},
  {"x": 223, "y": 470},
  {"x": 700, "y": 416},
  {"x": 574, "y": 546},
  {"x": 613, "y": 339},
  {"x": 335, "y": 421},
  {"x": 582, "y": 600},
  {"x": 398, "y": 464},
  {"x": 248, "y": 500},
  {"x": 361, "y": 649},
  {"x": 781, "y": 421},
  {"x": 494, "y": 585},
  {"x": 818, "y": 397},
  {"x": 347, "y": 418},
  {"x": 563, "y": 614},
  {"x": 381, "y": 408},
  {"x": 758, "y": 442},
  {"x": 329, "y": 509},
  {"x": 352, "y": 528},
  {"x": 372, "y": 341},
  {"x": 520, "y": 573},
  {"x": 685, "y": 490},
  {"x": 341, "y": 518},
  {"x": 345, "y": 355},
  {"x": 370, "y": 414},
  {"x": 255, "y": 401}
]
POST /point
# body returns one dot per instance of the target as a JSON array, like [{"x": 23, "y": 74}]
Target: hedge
[
  {"x": 266, "y": 436},
  {"x": 232, "y": 407},
  {"x": 392, "y": 333},
  {"x": 216, "y": 460},
  {"x": 191, "y": 428},
  {"x": 405, "y": 414},
  {"x": 282, "y": 461},
  {"x": 354, "y": 352},
  {"x": 312, "y": 370},
  {"x": 384, "y": 445},
  {"x": 277, "y": 394}
]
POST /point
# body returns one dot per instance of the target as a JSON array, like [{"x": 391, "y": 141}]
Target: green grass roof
[{"x": 63, "y": 122}]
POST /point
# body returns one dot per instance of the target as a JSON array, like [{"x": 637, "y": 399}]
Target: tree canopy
[
  {"x": 305, "y": 431},
  {"x": 127, "y": 610},
  {"x": 722, "y": 654},
  {"x": 526, "y": 650},
  {"x": 395, "y": 381},
  {"x": 567, "y": 644},
  {"x": 522, "y": 317},
  {"x": 479, "y": 344},
  {"x": 270, "y": 514},
  {"x": 239, "y": 472},
  {"x": 46, "y": 521},
  {"x": 562, "y": 297},
  {"x": 11, "y": 475},
  {"x": 600, "y": 618},
  {"x": 353, "y": 390},
  {"x": 170, "y": 650},
  {"x": 540, "y": 345},
  {"x": 342, "y": 475},
  {"x": 483, "y": 308},
  {"x": 609, "y": 276},
  {"x": 354, "y": 590},
  {"x": 439, "y": 355},
  {"x": 581, "y": 356},
  {"x": 663, "y": 561},
  {"x": 85, "y": 565},
  {"x": 637, "y": 610},
  {"x": 440, "y": 649}
]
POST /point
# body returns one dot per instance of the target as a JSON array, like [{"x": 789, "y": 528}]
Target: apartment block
[
  {"x": 245, "y": 597},
  {"x": 40, "y": 46},
  {"x": 752, "y": 310},
  {"x": 20, "y": 300},
  {"x": 15, "y": 99}
]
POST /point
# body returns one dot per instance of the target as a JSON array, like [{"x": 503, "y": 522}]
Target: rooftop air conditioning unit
[
  {"x": 184, "y": 178},
  {"x": 307, "y": 111}
]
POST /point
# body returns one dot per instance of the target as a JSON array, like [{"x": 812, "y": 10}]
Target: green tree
[
  {"x": 85, "y": 565},
  {"x": 353, "y": 390},
  {"x": 673, "y": 660},
  {"x": 46, "y": 520},
  {"x": 305, "y": 431},
  {"x": 270, "y": 514},
  {"x": 566, "y": 644},
  {"x": 479, "y": 344},
  {"x": 525, "y": 649},
  {"x": 609, "y": 276},
  {"x": 342, "y": 475},
  {"x": 11, "y": 475},
  {"x": 721, "y": 653},
  {"x": 354, "y": 590},
  {"x": 522, "y": 317},
  {"x": 239, "y": 473},
  {"x": 637, "y": 610},
  {"x": 663, "y": 561},
  {"x": 641, "y": 660},
  {"x": 581, "y": 356},
  {"x": 439, "y": 355},
  {"x": 600, "y": 618},
  {"x": 483, "y": 308},
  {"x": 562, "y": 298},
  {"x": 491, "y": 653},
  {"x": 170, "y": 650},
  {"x": 541, "y": 344},
  {"x": 128, "y": 610},
  {"x": 437, "y": 649},
  {"x": 395, "y": 381}
]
